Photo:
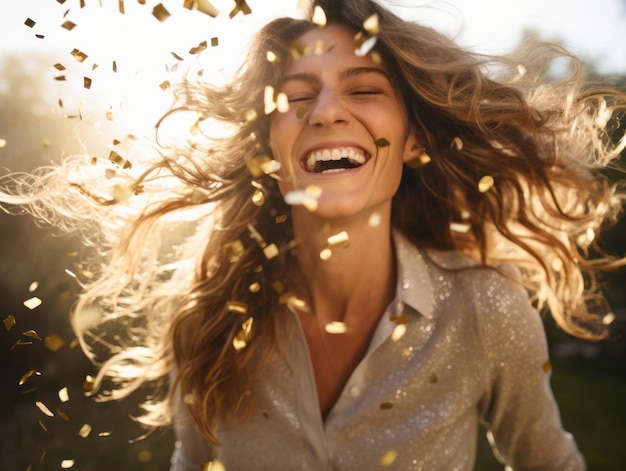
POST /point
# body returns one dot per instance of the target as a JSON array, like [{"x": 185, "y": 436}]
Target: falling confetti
[
  {"x": 336, "y": 327},
  {"x": 398, "y": 332},
  {"x": 160, "y": 12},
  {"x": 28, "y": 375},
  {"x": 79, "y": 55},
  {"x": 53, "y": 342},
  {"x": 270, "y": 251},
  {"x": 388, "y": 458},
  {"x": 486, "y": 183},
  {"x": 33, "y": 303},
  {"x": 43, "y": 408},
  {"x": 419, "y": 161},
  {"x": 84, "y": 431},
  {"x": 9, "y": 322},
  {"x": 64, "y": 395},
  {"x": 461, "y": 228},
  {"x": 382, "y": 142},
  {"x": 215, "y": 465},
  {"x": 67, "y": 464},
  {"x": 30, "y": 23},
  {"x": 319, "y": 16},
  {"x": 457, "y": 142}
]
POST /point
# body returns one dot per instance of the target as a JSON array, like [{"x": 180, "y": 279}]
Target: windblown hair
[{"x": 194, "y": 255}]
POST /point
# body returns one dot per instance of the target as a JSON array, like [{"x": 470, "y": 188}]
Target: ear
[{"x": 413, "y": 146}]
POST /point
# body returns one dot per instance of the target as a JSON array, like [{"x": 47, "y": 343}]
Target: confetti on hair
[
  {"x": 272, "y": 58},
  {"x": 160, "y": 12},
  {"x": 270, "y": 251},
  {"x": 457, "y": 142},
  {"x": 243, "y": 337},
  {"x": 254, "y": 287},
  {"x": 319, "y": 16},
  {"x": 388, "y": 458},
  {"x": 608, "y": 319},
  {"x": 460, "y": 227},
  {"x": 33, "y": 303},
  {"x": 486, "y": 183},
  {"x": 237, "y": 307},
  {"x": 258, "y": 198},
  {"x": 366, "y": 46},
  {"x": 89, "y": 384},
  {"x": 371, "y": 25},
  {"x": 419, "y": 161},
  {"x": 9, "y": 322},
  {"x": 336, "y": 327},
  {"x": 268, "y": 99}
]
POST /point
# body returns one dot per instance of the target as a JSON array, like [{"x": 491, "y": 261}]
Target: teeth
[{"x": 354, "y": 155}]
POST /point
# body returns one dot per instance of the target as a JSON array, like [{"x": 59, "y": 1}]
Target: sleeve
[
  {"x": 518, "y": 409},
  {"x": 191, "y": 449}
]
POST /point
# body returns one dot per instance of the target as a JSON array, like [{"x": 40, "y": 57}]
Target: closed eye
[
  {"x": 299, "y": 99},
  {"x": 365, "y": 92}
]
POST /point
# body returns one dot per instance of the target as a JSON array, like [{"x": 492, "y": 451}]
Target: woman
[{"x": 352, "y": 287}]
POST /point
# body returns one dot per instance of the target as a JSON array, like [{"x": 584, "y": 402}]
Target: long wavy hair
[{"x": 193, "y": 255}]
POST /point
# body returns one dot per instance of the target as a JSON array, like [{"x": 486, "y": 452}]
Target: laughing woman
[{"x": 366, "y": 256}]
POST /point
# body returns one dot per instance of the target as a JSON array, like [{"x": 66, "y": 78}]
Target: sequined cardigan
[{"x": 474, "y": 352}]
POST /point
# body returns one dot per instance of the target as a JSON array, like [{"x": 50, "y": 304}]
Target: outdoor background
[{"x": 43, "y": 118}]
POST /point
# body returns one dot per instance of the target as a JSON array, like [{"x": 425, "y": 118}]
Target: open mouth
[{"x": 337, "y": 159}]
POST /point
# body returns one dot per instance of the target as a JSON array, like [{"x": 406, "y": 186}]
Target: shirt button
[{"x": 354, "y": 391}]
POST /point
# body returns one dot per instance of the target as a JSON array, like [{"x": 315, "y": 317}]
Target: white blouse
[{"x": 474, "y": 351}]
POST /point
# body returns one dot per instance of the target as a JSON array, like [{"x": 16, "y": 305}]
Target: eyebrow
[{"x": 343, "y": 75}]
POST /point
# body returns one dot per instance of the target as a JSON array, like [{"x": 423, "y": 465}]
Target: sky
[{"x": 143, "y": 49}]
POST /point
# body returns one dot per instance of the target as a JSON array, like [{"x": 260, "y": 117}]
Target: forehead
[{"x": 326, "y": 47}]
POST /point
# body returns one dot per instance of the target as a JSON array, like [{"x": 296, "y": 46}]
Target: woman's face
[{"x": 346, "y": 132}]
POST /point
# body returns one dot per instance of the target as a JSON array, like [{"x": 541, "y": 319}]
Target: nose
[{"x": 328, "y": 109}]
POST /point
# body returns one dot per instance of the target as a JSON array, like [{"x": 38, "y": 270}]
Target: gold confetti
[
  {"x": 30, "y": 23},
  {"x": 43, "y": 408},
  {"x": 84, "y": 431},
  {"x": 60, "y": 78},
  {"x": 241, "y": 6},
  {"x": 237, "y": 307},
  {"x": 203, "y": 6},
  {"x": 270, "y": 166},
  {"x": 215, "y": 465},
  {"x": 104, "y": 434},
  {"x": 32, "y": 334},
  {"x": 68, "y": 25},
  {"x": 63, "y": 415},
  {"x": 308, "y": 199},
  {"x": 371, "y": 25},
  {"x": 79, "y": 55},
  {"x": 298, "y": 49},
  {"x": 41, "y": 424},
  {"x": 388, "y": 458},
  {"x": 386, "y": 406},
  {"x": 325, "y": 254},
  {"x": 3, "y": 143},
  {"x": 53, "y": 342},
  {"x": 119, "y": 160},
  {"x": 419, "y": 161},
  {"x": 376, "y": 58},
  {"x": 202, "y": 46},
  {"x": 608, "y": 319},
  {"x": 243, "y": 337},
  {"x": 120, "y": 4},
  {"x": 67, "y": 464},
  {"x": 398, "y": 332},
  {"x": 89, "y": 383},
  {"x": 233, "y": 251},
  {"x": 33, "y": 303},
  {"x": 319, "y": 16},
  {"x": 254, "y": 287},
  {"x": 258, "y": 198},
  {"x": 215, "y": 41},
  {"x": 460, "y": 227},
  {"x": 485, "y": 184},
  {"x": 546, "y": 366},
  {"x": 292, "y": 300},
  {"x": 28, "y": 375},
  {"x": 374, "y": 220},
  {"x": 271, "y": 57},
  {"x": 160, "y": 12},
  {"x": 87, "y": 83},
  {"x": 366, "y": 46},
  {"x": 164, "y": 85},
  {"x": 282, "y": 103},
  {"x": 268, "y": 99},
  {"x": 382, "y": 142},
  {"x": 64, "y": 395},
  {"x": 341, "y": 239},
  {"x": 402, "y": 319},
  {"x": 9, "y": 322},
  {"x": 300, "y": 112},
  {"x": 336, "y": 327},
  {"x": 432, "y": 377},
  {"x": 458, "y": 143},
  {"x": 33, "y": 286},
  {"x": 270, "y": 251}
]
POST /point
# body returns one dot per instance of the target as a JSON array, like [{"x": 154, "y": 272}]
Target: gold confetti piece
[
  {"x": 388, "y": 458},
  {"x": 63, "y": 415},
  {"x": 402, "y": 319},
  {"x": 88, "y": 384},
  {"x": 9, "y": 322},
  {"x": 590, "y": 233},
  {"x": 60, "y": 78},
  {"x": 460, "y": 227},
  {"x": 164, "y": 85},
  {"x": 296, "y": 198},
  {"x": 160, "y": 12},
  {"x": 268, "y": 99},
  {"x": 521, "y": 70},
  {"x": 202, "y": 46},
  {"x": 386, "y": 406},
  {"x": 298, "y": 49},
  {"x": 271, "y": 57},
  {"x": 68, "y": 25},
  {"x": 215, "y": 465},
  {"x": 374, "y": 220},
  {"x": 270, "y": 166},
  {"x": 278, "y": 286},
  {"x": 30, "y": 23},
  {"x": 546, "y": 366},
  {"x": 251, "y": 115},
  {"x": 282, "y": 103},
  {"x": 60, "y": 67},
  {"x": 67, "y": 464},
  {"x": 270, "y": 251},
  {"x": 87, "y": 83},
  {"x": 336, "y": 327},
  {"x": 78, "y": 55},
  {"x": 237, "y": 307},
  {"x": 28, "y": 375},
  {"x": 292, "y": 300},
  {"x": 608, "y": 319},
  {"x": 203, "y": 6},
  {"x": 33, "y": 286},
  {"x": 457, "y": 142},
  {"x": 382, "y": 142},
  {"x": 53, "y": 342},
  {"x": 233, "y": 251},
  {"x": 419, "y": 161},
  {"x": 366, "y": 47},
  {"x": 64, "y": 395},
  {"x": 319, "y": 16},
  {"x": 243, "y": 337},
  {"x": 258, "y": 198},
  {"x": 433, "y": 378},
  {"x": 3, "y": 143},
  {"x": 121, "y": 6},
  {"x": 84, "y": 431},
  {"x": 371, "y": 25},
  {"x": 32, "y": 334},
  {"x": 300, "y": 112},
  {"x": 43, "y": 408},
  {"x": 104, "y": 434},
  {"x": 340, "y": 239},
  {"x": 33, "y": 303},
  {"x": 119, "y": 160},
  {"x": 326, "y": 254},
  {"x": 254, "y": 287},
  {"x": 376, "y": 58},
  {"x": 215, "y": 41},
  {"x": 20, "y": 343},
  {"x": 241, "y": 6},
  {"x": 398, "y": 332},
  {"x": 41, "y": 424},
  {"x": 485, "y": 184}
]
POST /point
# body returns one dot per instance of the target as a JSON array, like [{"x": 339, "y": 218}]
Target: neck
[{"x": 354, "y": 277}]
